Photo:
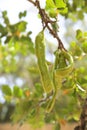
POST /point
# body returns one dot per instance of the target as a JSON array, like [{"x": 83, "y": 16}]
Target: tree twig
[
  {"x": 47, "y": 23},
  {"x": 32, "y": 2},
  {"x": 83, "y": 118}
]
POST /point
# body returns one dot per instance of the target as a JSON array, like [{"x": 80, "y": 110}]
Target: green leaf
[
  {"x": 80, "y": 14},
  {"x": 3, "y": 31},
  {"x": 84, "y": 46},
  {"x": 8, "y": 38},
  {"x": 38, "y": 88},
  {"x": 50, "y": 4},
  {"x": 63, "y": 11},
  {"x": 6, "y": 90},
  {"x": 12, "y": 40},
  {"x": 33, "y": 70},
  {"x": 85, "y": 34},
  {"x": 79, "y": 34},
  {"x": 37, "y": 122},
  {"x": 4, "y": 13},
  {"x": 18, "y": 27},
  {"x": 76, "y": 117},
  {"x": 17, "y": 91},
  {"x": 22, "y": 14},
  {"x": 6, "y": 19},
  {"x": 28, "y": 43},
  {"x": 17, "y": 46},
  {"x": 53, "y": 13},
  {"x": 21, "y": 26},
  {"x": 59, "y": 4},
  {"x": 76, "y": 50},
  {"x": 79, "y": 3},
  {"x": 56, "y": 6}
]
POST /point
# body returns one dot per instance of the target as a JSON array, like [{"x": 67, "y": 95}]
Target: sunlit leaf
[
  {"x": 50, "y": 4},
  {"x": 21, "y": 26},
  {"x": 59, "y": 4},
  {"x": 53, "y": 13},
  {"x": 17, "y": 92}
]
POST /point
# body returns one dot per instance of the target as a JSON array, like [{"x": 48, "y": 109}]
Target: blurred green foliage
[{"x": 17, "y": 57}]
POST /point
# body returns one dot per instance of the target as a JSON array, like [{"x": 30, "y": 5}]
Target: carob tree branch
[
  {"x": 47, "y": 23},
  {"x": 83, "y": 118}
]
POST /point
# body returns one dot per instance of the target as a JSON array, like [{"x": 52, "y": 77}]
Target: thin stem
[{"x": 32, "y": 2}]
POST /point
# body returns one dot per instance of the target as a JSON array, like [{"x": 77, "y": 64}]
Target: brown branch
[
  {"x": 83, "y": 118},
  {"x": 32, "y": 2},
  {"x": 47, "y": 23}
]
